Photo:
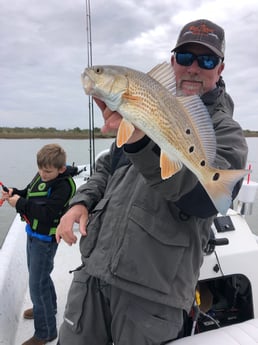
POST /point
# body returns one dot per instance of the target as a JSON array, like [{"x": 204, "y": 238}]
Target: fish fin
[
  {"x": 168, "y": 167},
  {"x": 164, "y": 74},
  {"x": 130, "y": 97},
  {"x": 201, "y": 121},
  {"x": 220, "y": 189},
  {"x": 125, "y": 131}
]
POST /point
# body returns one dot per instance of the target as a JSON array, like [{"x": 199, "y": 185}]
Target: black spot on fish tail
[{"x": 216, "y": 176}]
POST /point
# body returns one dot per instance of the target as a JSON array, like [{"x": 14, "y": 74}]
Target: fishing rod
[
  {"x": 2, "y": 201},
  {"x": 90, "y": 104},
  {"x": 5, "y": 189}
]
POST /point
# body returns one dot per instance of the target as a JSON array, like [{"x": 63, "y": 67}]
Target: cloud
[{"x": 43, "y": 50}]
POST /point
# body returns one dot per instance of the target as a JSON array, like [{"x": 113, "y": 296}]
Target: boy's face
[{"x": 50, "y": 173}]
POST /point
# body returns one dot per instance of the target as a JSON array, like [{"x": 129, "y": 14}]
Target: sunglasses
[{"x": 204, "y": 61}]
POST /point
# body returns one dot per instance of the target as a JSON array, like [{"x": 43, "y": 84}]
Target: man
[{"x": 143, "y": 237}]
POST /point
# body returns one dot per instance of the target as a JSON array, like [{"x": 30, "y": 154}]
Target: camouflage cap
[{"x": 203, "y": 32}]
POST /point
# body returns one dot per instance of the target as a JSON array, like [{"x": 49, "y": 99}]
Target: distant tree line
[
  {"x": 50, "y": 132},
  {"x": 249, "y": 133},
  {"x": 75, "y": 133}
]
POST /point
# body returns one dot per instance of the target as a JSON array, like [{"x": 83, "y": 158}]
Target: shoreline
[
  {"x": 78, "y": 136},
  {"x": 54, "y": 136},
  {"x": 75, "y": 133},
  {"x": 52, "y": 133}
]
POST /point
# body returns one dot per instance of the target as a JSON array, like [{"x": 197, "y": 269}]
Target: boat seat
[{"x": 244, "y": 333}]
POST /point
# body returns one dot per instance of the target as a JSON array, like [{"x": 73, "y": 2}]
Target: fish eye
[{"x": 98, "y": 69}]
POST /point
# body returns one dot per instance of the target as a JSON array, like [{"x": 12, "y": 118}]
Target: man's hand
[
  {"x": 112, "y": 118},
  {"x": 76, "y": 214},
  {"x": 112, "y": 121}
]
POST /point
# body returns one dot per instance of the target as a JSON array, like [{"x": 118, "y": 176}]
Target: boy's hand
[{"x": 13, "y": 200}]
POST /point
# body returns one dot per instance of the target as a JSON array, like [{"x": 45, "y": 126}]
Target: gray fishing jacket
[{"x": 146, "y": 235}]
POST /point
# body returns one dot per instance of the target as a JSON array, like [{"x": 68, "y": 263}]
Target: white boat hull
[{"x": 234, "y": 262}]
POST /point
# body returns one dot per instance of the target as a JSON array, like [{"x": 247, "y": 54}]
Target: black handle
[
  {"x": 219, "y": 241},
  {"x": 5, "y": 188}
]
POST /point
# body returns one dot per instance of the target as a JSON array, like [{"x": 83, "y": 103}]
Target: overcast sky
[{"x": 43, "y": 50}]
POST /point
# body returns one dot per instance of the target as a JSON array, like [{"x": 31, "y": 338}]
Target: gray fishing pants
[{"x": 100, "y": 314}]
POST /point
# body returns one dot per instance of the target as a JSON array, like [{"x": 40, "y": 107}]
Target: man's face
[{"x": 192, "y": 80}]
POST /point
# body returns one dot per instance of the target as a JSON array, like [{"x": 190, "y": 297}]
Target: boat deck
[
  {"x": 67, "y": 258},
  {"x": 14, "y": 294}
]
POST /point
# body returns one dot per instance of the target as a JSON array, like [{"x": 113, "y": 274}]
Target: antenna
[{"x": 90, "y": 100}]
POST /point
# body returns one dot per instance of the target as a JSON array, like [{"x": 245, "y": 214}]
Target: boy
[{"x": 41, "y": 204}]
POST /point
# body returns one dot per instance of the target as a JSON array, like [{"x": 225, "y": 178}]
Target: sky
[{"x": 43, "y": 51}]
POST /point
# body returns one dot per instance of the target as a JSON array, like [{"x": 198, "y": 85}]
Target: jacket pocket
[
  {"x": 151, "y": 251},
  {"x": 87, "y": 244},
  {"x": 76, "y": 300},
  {"x": 154, "y": 327}
]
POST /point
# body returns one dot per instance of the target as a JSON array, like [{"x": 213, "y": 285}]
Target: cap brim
[{"x": 212, "y": 48}]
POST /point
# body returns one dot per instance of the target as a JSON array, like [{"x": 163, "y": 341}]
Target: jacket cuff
[
  {"x": 137, "y": 146},
  {"x": 20, "y": 205}
]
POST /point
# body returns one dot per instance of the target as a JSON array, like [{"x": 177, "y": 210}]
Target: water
[{"x": 18, "y": 166}]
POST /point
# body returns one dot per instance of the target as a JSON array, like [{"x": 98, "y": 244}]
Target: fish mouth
[{"x": 87, "y": 82}]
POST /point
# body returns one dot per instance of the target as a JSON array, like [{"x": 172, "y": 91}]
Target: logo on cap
[{"x": 202, "y": 29}]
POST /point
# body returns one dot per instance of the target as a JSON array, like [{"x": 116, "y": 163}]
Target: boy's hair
[{"x": 51, "y": 155}]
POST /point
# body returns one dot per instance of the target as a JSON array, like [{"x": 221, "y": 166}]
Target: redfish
[{"x": 180, "y": 125}]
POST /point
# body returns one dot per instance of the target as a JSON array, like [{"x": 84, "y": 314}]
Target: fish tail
[{"x": 221, "y": 187}]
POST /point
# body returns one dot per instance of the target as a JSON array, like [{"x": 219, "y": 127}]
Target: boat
[{"x": 226, "y": 295}]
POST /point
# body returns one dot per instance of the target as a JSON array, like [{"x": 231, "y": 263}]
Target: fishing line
[
  {"x": 218, "y": 262},
  {"x": 90, "y": 102}
]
